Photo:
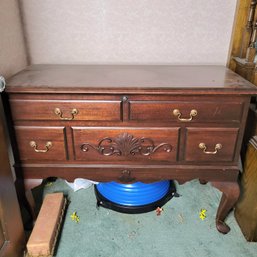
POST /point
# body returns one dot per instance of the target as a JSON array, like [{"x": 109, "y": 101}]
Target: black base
[{"x": 102, "y": 201}]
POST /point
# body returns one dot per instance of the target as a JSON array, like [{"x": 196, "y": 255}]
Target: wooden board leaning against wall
[
  {"x": 242, "y": 55},
  {"x": 242, "y": 60}
]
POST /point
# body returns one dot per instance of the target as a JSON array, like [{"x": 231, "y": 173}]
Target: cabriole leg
[{"x": 229, "y": 197}]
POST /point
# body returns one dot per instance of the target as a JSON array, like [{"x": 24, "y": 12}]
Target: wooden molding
[{"x": 240, "y": 36}]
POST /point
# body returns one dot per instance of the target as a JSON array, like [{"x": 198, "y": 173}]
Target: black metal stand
[{"x": 102, "y": 201}]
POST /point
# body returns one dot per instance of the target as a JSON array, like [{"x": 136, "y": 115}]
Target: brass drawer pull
[
  {"x": 48, "y": 145},
  {"x": 204, "y": 147},
  {"x": 58, "y": 112},
  {"x": 176, "y": 112}
]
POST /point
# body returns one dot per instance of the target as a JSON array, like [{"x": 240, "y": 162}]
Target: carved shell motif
[{"x": 126, "y": 144}]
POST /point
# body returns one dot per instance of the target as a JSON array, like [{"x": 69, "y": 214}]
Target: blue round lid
[{"x": 135, "y": 194}]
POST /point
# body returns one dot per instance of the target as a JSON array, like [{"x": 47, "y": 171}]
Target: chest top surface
[
  {"x": 129, "y": 123},
  {"x": 202, "y": 79}
]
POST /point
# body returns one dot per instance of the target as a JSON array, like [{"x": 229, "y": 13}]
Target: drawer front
[
  {"x": 41, "y": 143},
  {"x": 125, "y": 144},
  {"x": 170, "y": 111},
  {"x": 90, "y": 110},
  {"x": 211, "y": 144}
]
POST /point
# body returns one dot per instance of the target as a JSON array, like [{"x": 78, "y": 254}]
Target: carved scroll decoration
[{"x": 126, "y": 144}]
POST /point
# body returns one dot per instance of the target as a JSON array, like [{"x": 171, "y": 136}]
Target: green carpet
[{"x": 177, "y": 232}]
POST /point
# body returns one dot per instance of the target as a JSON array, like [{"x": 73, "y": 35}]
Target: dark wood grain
[
  {"x": 227, "y": 137},
  {"x": 207, "y": 111},
  {"x": 86, "y": 110},
  {"x": 129, "y": 144},
  {"x": 125, "y": 129},
  {"x": 230, "y": 193},
  {"x": 112, "y": 172},
  {"x": 129, "y": 78},
  {"x": 41, "y": 135}
]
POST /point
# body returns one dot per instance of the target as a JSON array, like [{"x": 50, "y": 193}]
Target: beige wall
[
  {"x": 129, "y": 31},
  {"x": 12, "y": 48}
]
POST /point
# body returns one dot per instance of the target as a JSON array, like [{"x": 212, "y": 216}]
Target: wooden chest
[{"x": 131, "y": 123}]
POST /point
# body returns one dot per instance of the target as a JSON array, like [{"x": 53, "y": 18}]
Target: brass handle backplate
[
  {"x": 48, "y": 145},
  {"x": 59, "y": 113},
  {"x": 204, "y": 148},
  {"x": 177, "y": 113}
]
